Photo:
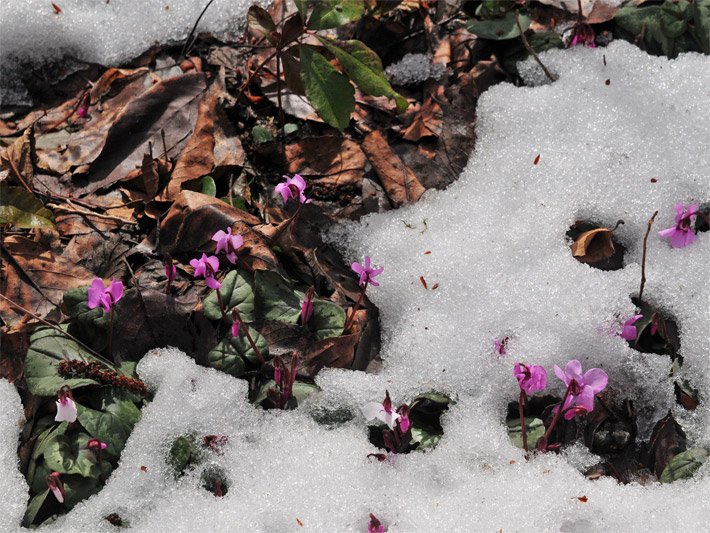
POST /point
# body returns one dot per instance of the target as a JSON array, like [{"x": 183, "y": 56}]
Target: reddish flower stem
[
  {"x": 110, "y": 333},
  {"x": 522, "y": 422},
  {"x": 557, "y": 415},
  {"x": 643, "y": 259},
  {"x": 248, "y": 336},
  {"x": 349, "y": 321}
]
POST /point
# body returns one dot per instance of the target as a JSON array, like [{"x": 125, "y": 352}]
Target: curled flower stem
[
  {"x": 349, "y": 321},
  {"x": 110, "y": 333},
  {"x": 248, "y": 336},
  {"x": 557, "y": 414},
  {"x": 643, "y": 259},
  {"x": 522, "y": 422}
]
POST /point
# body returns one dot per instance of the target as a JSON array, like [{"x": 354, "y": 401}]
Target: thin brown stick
[
  {"x": 79, "y": 211},
  {"x": 530, "y": 50},
  {"x": 19, "y": 176},
  {"x": 59, "y": 330},
  {"x": 643, "y": 259}
]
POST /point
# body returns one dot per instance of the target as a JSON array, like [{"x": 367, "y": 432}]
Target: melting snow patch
[
  {"x": 504, "y": 268},
  {"x": 413, "y": 69},
  {"x": 107, "y": 33}
]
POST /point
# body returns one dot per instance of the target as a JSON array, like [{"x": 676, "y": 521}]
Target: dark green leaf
[
  {"x": 261, "y": 135},
  {"x": 276, "y": 299},
  {"x": 237, "y": 291},
  {"x": 302, "y": 6},
  {"x": 78, "y": 489},
  {"x": 183, "y": 453},
  {"x": 498, "y": 29},
  {"x": 208, "y": 186},
  {"x": 684, "y": 465},
  {"x": 364, "y": 68},
  {"x": 329, "y": 14},
  {"x": 69, "y": 455},
  {"x": 328, "y": 91},
  {"x": 328, "y": 319},
  {"x": 112, "y": 424},
  {"x": 231, "y": 354},
  {"x": 33, "y": 507},
  {"x": 259, "y": 20},
  {"x": 53, "y": 431},
  {"x": 47, "y": 348},
  {"x": 22, "y": 209},
  {"x": 91, "y": 324},
  {"x": 534, "y": 428}
]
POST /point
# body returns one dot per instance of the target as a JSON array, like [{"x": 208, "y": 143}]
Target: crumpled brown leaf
[
  {"x": 36, "y": 278},
  {"x": 18, "y": 158},
  {"x": 593, "y": 245},
  {"x": 331, "y": 160},
  {"x": 169, "y": 106},
  {"x": 401, "y": 184},
  {"x": 428, "y": 121}
]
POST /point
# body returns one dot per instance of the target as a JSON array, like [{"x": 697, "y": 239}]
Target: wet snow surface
[{"x": 498, "y": 252}]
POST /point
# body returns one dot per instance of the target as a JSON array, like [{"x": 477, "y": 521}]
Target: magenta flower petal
[
  {"x": 596, "y": 379},
  {"x": 116, "y": 290},
  {"x": 96, "y": 290},
  {"x": 212, "y": 283}
]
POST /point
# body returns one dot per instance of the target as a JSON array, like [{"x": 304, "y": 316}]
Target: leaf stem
[
  {"x": 349, "y": 322},
  {"x": 522, "y": 422},
  {"x": 530, "y": 50}
]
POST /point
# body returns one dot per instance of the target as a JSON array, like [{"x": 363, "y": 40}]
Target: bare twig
[
  {"x": 530, "y": 50},
  {"x": 192, "y": 31},
  {"x": 643, "y": 259},
  {"x": 79, "y": 211}
]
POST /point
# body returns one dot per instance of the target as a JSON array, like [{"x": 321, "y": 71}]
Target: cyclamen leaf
[
  {"x": 208, "y": 186},
  {"x": 328, "y": 319},
  {"x": 275, "y": 298},
  {"x": 364, "y": 68},
  {"x": 329, "y": 14},
  {"x": 684, "y": 465},
  {"x": 21, "y": 209},
  {"x": 33, "y": 508},
  {"x": 230, "y": 354},
  {"x": 534, "y": 428},
  {"x": 328, "y": 91},
  {"x": 70, "y": 455},
  {"x": 237, "y": 291},
  {"x": 300, "y": 391},
  {"x": 112, "y": 425},
  {"x": 47, "y": 348},
  {"x": 498, "y": 29}
]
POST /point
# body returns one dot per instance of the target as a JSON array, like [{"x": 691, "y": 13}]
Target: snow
[
  {"x": 13, "y": 489},
  {"x": 413, "y": 69},
  {"x": 498, "y": 252},
  {"x": 107, "y": 33}
]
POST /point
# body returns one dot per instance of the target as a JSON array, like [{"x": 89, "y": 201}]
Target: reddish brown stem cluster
[{"x": 93, "y": 370}]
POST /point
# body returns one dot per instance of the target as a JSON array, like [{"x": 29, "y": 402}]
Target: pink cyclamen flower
[
  {"x": 307, "y": 307},
  {"x": 235, "y": 328},
  {"x": 207, "y": 267},
  {"x": 66, "y": 408},
  {"x": 531, "y": 378},
  {"x": 293, "y": 188},
  {"x": 682, "y": 233},
  {"x": 381, "y": 411},
  {"x": 582, "y": 387},
  {"x": 228, "y": 243},
  {"x": 404, "y": 422},
  {"x": 104, "y": 296},
  {"x": 96, "y": 445},
  {"x": 375, "y": 526},
  {"x": 54, "y": 483},
  {"x": 583, "y": 34},
  {"x": 366, "y": 272},
  {"x": 629, "y": 331}
]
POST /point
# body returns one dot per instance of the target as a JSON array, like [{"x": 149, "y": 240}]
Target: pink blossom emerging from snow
[
  {"x": 381, "y": 411},
  {"x": 96, "y": 445},
  {"x": 54, "y": 484},
  {"x": 105, "y": 297},
  {"x": 367, "y": 272},
  {"x": 501, "y": 345},
  {"x": 531, "y": 378},
  {"x": 66, "y": 408},
  {"x": 682, "y": 233},
  {"x": 629, "y": 331},
  {"x": 207, "y": 267},
  {"x": 375, "y": 526},
  {"x": 583, "y": 34},
  {"x": 582, "y": 387},
  {"x": 228, "y": 243},
  {"x": 404, "y": 422},
  {"x": 293, "y": 188},
  {"x": 307, "y": 307}
]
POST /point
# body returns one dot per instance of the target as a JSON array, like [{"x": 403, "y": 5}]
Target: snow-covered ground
[
  {"x": 97, "y": 31},
  {"x": 504, "y": 268}
]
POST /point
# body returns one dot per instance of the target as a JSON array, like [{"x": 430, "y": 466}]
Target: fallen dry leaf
[
  {"x": 428, "y": 121},
  {"x": 330, "y": 160},
  {"x": 593, "y": 245},
  {"x": 18, "y": 158},
  {"x": 400, "y": 183}
]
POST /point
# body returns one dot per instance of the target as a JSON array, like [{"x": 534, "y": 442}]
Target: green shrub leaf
[
  {"x": 329, "y": 14},
  {"x": 328, "y": 91}
]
